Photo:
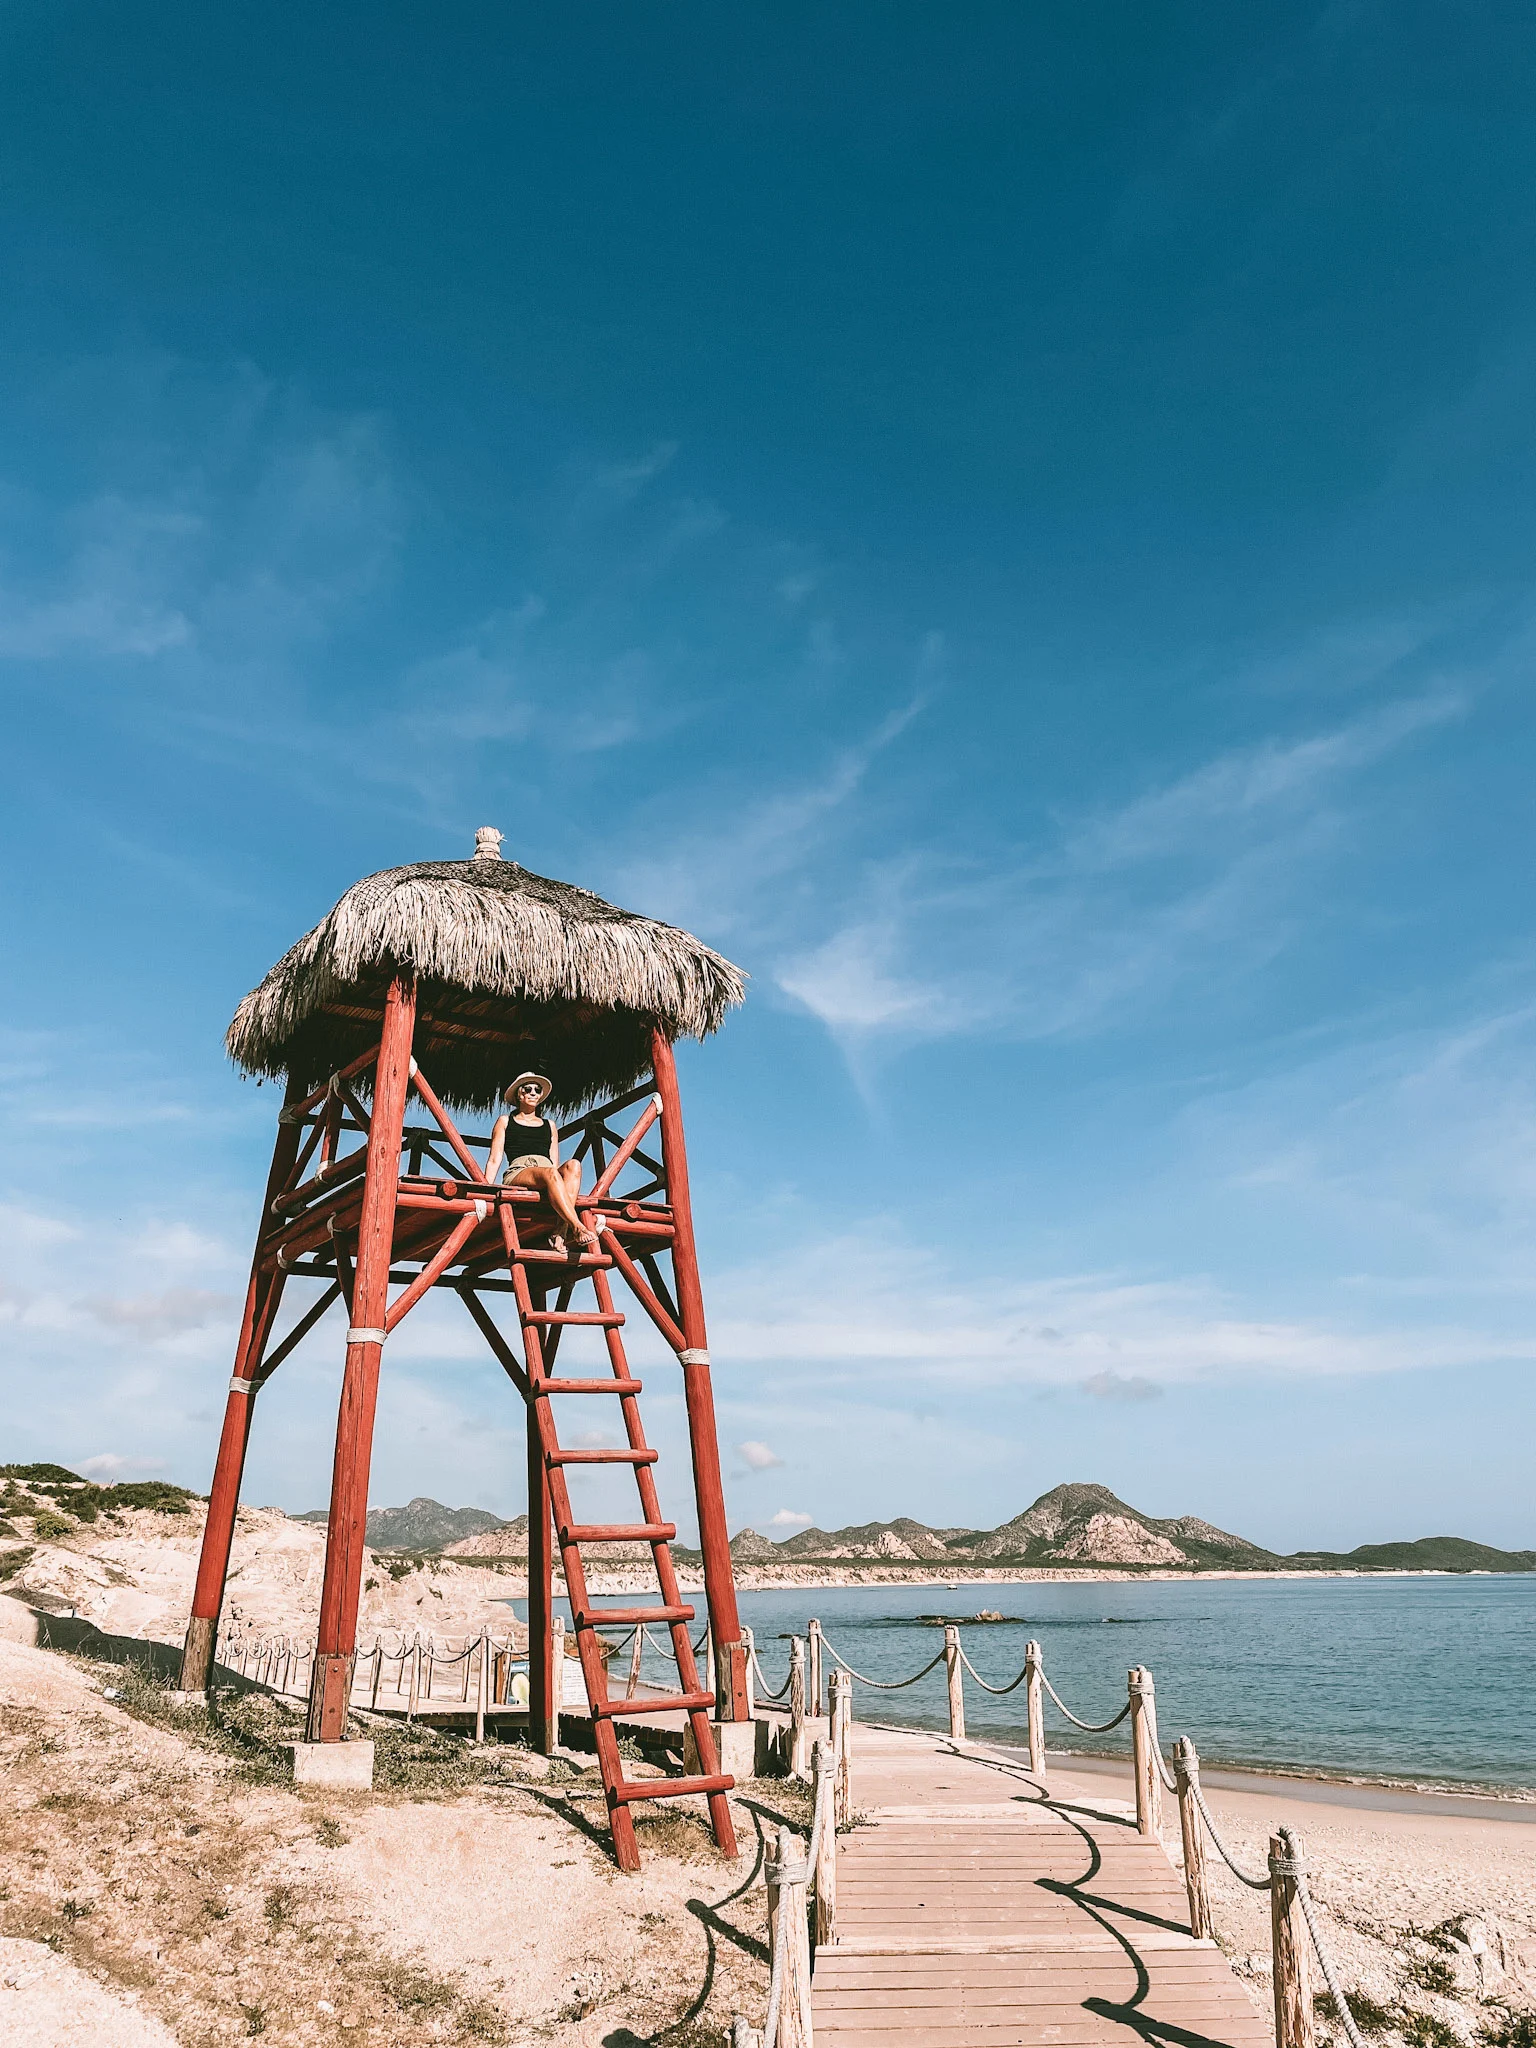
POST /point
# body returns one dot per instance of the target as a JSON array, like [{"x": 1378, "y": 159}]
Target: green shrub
[
  {"x": 56, "y": 1475},
  {"x": 1505, "y": 2029},
  {"x": 13, "y": 1562},
  {"x": 1423, "y": 2030},
  {"x": 48, "y": 1525},
  {"x": 150, "y": 1493},
  {"x": 1433, "y": 1973},
  {"x": 1367, "y": 2015}
]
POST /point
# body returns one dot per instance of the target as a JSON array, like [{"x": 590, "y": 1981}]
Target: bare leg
[{"x": 556, "y": 1189}]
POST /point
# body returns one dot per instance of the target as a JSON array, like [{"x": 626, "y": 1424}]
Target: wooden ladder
[{"x": 542, "y": 1327}]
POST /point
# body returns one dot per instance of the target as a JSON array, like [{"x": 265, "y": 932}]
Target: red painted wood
[
  {"x": 606, "y": 1457},
  {"x": 617, "y": 1532},
  {"x": 544, "y": 1680},
  {"x": 698, "y": 1392},
  {"x": 457, "y": 1238},
  {"x": 340, "y": 1592},
  {"x": 589, "y": 1387},
  {"x": 549, "y": 1319},
  {"x": 448, "y": 1128},
  {"x": 628, "y": 1617},
  {"x": 670, "y": 1788},
  {"x": 295, "y": 1110},
  {"x": 665, "y": 1703},
  {"x": 643, "y": 1292},
  {"x": 621, "y": 1158},
  {"x": 295, "y": 1337}
]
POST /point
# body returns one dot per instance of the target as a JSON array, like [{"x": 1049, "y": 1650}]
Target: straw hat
[{"x": 509, "y": 1094}]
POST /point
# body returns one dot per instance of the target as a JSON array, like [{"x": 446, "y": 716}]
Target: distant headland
[{"x": 1075, "y": 1527}]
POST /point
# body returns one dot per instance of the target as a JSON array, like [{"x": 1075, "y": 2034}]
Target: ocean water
[{"x": 1422, "y": 1681}]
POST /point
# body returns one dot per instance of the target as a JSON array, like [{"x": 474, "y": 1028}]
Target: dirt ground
[
  {"x": 1431, "y": 1918},
  {"x": 160, "y": 1883}
]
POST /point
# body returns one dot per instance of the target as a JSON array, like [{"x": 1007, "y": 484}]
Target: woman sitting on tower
[{"x": 530, "y": 1144}]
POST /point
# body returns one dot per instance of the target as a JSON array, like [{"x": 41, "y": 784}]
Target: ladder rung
[
  {"x": 619, "y": 1532},
  {"x": 630, "y": 1789},
  {"x": 669, "y": 1703},
  {"x": 585, "y": 1386},
  {"x": 603, "y": 1457},
  {"x": 564, "y": 1316},
  {"x": 624, "y": 1617}
]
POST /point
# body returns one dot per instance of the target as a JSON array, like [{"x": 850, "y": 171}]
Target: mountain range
[{"x": 1077, "y": 1524}]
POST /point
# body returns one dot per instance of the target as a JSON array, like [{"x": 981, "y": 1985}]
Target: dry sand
[
  {"x": 185, "y": 1895},
  {"x": 174, "y": 1899},
  {"x": 1407, "y": 1898},
  {"x": 131, "y": 1574}
]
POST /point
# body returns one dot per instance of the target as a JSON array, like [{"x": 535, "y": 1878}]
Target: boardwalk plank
[{"x": 973, "y": 1913}]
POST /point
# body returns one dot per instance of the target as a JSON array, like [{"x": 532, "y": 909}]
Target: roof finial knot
[{"x": 487, "y": 843}]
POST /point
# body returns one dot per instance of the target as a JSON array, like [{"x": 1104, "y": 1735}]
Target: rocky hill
[
  {"x": 1428, "y": 1554},
  {"x": 1071, "y": 1525},
  {"x": 124, "y": 1558},
  {"x": 421, "y": 1525}
]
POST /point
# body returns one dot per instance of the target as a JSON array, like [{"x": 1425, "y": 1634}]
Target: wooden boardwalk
[{"x": 979, "y": 1909}]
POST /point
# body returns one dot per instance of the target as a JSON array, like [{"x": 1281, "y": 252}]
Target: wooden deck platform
[{"x": 978, "y": 1909}]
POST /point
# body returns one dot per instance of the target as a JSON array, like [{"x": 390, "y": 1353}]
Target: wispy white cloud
[
  {"x": 1116, "y": 1386},
  {"x": 866, "y": 1301},
  {"x": 790, "y": 1519},
  {"x": 106, "y": 1467},
  {"x": 759, "y": 1457},
  {"x": 1110, "y": 911},
  {"x": 166, "y": 1314}
]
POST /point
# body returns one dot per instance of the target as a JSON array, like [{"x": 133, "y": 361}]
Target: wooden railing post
[
  {"x": 1186, "y": 1773},
  {"x": 1034, "y": 1695},
  {"x": 842, "y": 1734},
  {"x": 1293, "y": 1975},
  {"x": 749, "y": 1645},
  {"x": 636, "y": 1653},
  {"x": 1149, "y": 1783},
  {"x": 415, "y": 1692},
  {"x": 557, "y": 1650},
  {"x": 482, "y": 1682},
  {"x": 789, "y": 1930},
  {"x": 797, "y": 1755},
  {"x": 824, "y": 1876},
  {"x": 813, "y": 1667},
  {"x": 955, "y": 1680}
]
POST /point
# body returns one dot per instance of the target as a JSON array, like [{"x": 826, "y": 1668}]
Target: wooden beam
[{"x": 346, "y": 1529}]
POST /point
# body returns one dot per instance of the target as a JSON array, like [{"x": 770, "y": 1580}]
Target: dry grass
[{"x": 162, "y": 1854}]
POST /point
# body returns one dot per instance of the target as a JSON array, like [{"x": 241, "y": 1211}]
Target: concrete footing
[
  {"x": 745, "y": 1748},
  {"x": 342, "y": 1766}
]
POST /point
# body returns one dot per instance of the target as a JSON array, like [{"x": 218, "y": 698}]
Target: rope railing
[
  {"x": 282, "y": 1664},
  {"x": 798, "y": 1884},
  {"x": 1088, "y": 1727},
  {"x": 1293, "y": 1909}
]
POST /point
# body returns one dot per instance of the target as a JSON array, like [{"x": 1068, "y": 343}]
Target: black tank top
[{"x": 527, "y": 1138}]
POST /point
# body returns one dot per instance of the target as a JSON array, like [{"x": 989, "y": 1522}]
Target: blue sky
[{"x": 1014, "y": 523}]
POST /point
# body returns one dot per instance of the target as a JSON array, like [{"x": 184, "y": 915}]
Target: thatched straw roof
[{"x": 513, "y": 970}]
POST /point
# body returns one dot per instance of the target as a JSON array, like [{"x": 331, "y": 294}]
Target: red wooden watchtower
[{"x": 433, "y": 985}]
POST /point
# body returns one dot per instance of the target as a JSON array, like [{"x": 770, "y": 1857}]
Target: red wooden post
[
  {"x": 261, "y": 1303},
  {"x": 331, "y": 1686},
  {"x": 544, "y": 1680},
  {"x": 730, "y": 1674}
]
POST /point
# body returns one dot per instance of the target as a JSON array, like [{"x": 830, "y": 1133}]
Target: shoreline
[
  {"x": 772, "y": 1578},
  {"x": 1364, "y": 1795}
]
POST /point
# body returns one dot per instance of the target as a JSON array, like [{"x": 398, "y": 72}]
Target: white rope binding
[
  {"x": 693, "y": 1358},
  {"x": 366, "y": 1336}
]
